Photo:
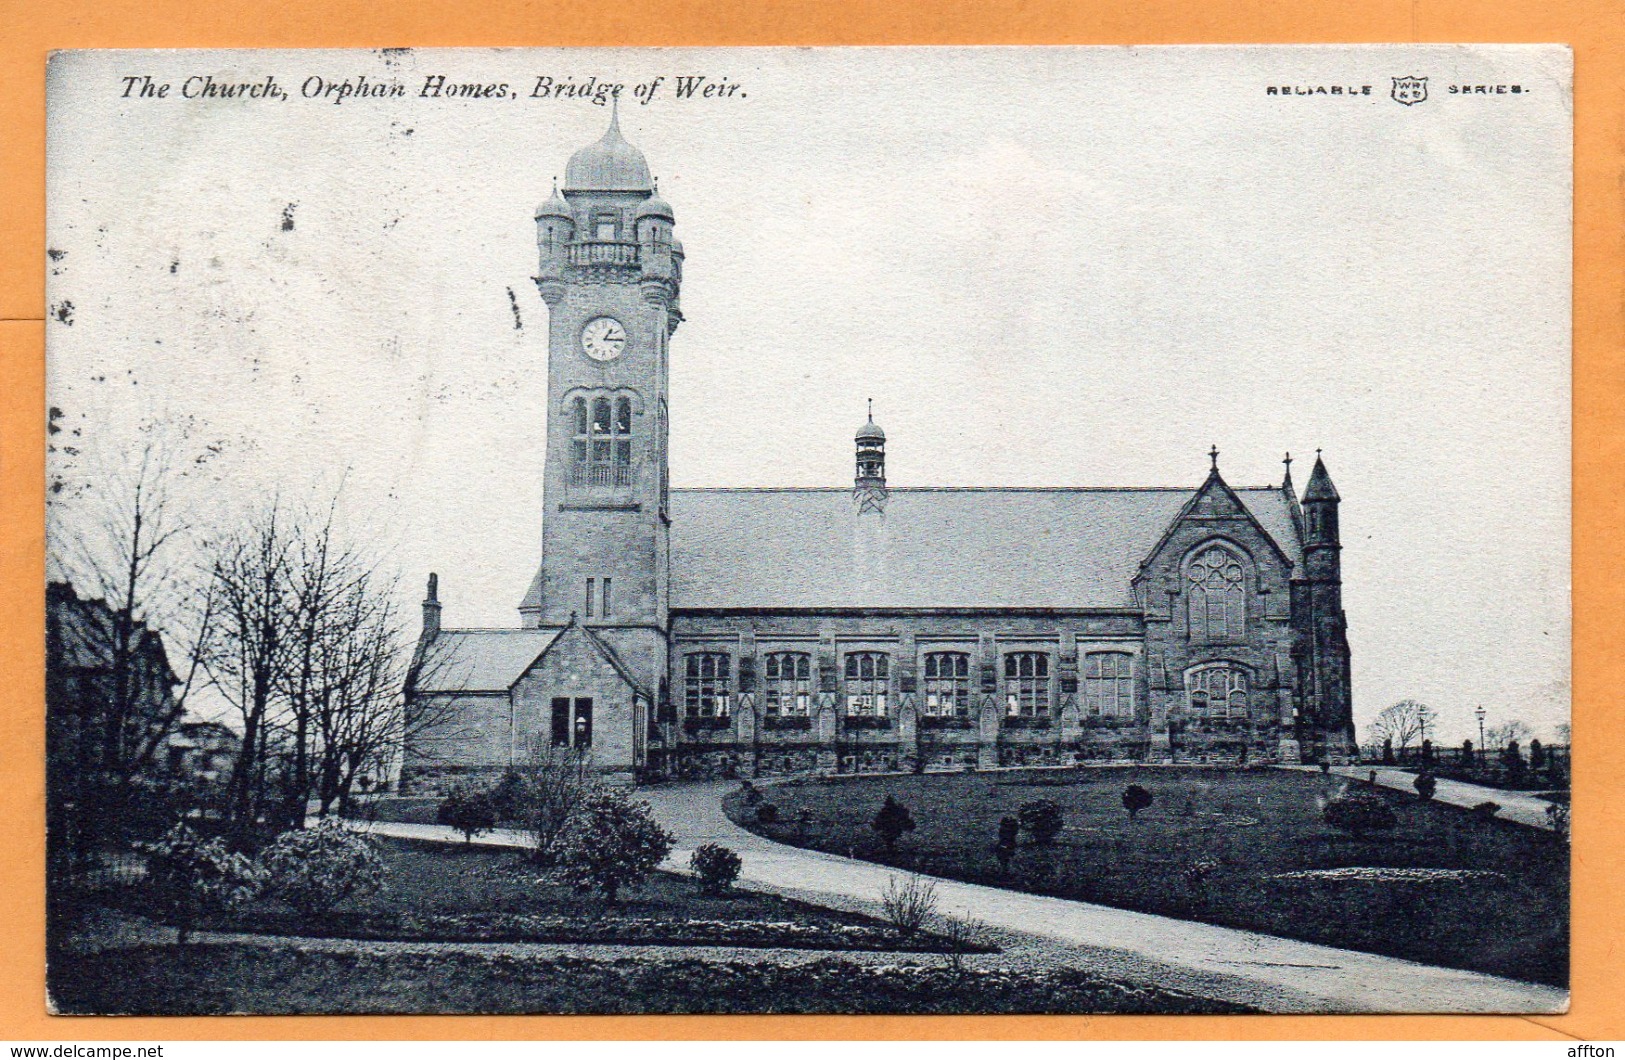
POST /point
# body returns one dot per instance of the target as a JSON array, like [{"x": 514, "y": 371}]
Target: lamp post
[{"x": 1480, "y": 713}]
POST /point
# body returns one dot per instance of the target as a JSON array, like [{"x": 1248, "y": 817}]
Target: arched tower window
[
  {"x": 1217, "y": 691},
  {"x": 947, "y": 684},
  {"x": 1108, "y": 684},
  {"x": 1217, "y": 586},
  {"x": 787, "y": 684},
  {"x": 868, "y": 678},
  {"x": 1026, "y": 683},
  {"x": 705, "y": 684},
  {"x": 601, "y": 449}
]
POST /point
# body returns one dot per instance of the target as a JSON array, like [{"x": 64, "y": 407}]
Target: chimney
[{"x": 431, "y": 609}]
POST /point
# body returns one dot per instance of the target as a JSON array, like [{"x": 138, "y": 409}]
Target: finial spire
[
  {"x": 615, "y": 112},
  {"x": 1288, "y": 462},
  {"x": 1213, "y": 455},
  {"x": 871, "y": 410}
]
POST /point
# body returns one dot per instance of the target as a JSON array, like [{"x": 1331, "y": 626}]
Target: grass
[
  {"x": 208, "y": 980},
  {"x": 1252, "y": 826}
]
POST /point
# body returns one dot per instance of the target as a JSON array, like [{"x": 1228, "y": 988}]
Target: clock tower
[{"x": 610, "y": 271}]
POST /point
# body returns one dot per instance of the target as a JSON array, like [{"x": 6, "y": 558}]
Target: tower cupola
[
  {"x": 1320, "y": 501},
  {"x": 869, "y": 483},
  {"x": 611, "y": 164}
]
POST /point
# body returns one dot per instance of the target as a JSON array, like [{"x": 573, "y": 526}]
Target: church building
[{"x": 861, "y": 628}]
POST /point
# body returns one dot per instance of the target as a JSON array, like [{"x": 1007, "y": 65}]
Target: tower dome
[
  {"x": 555, "y": 206},
  {"x": 655, "y": 206},
  {"x": 611, "y": 164},
  {"x": 871, "y": 432}
]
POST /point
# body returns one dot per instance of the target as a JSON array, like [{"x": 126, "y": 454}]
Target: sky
[{"x": 1047, "y": 267}]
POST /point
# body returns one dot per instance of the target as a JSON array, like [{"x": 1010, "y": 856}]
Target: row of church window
[{"x": 787, "y": 687}]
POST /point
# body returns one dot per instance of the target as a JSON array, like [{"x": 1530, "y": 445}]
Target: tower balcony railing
[
  {"x": 602, "y": 476},
  {"x": 603, "y": 252}
]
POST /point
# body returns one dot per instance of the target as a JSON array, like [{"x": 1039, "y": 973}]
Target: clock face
[{"x": 603, "y": 338}]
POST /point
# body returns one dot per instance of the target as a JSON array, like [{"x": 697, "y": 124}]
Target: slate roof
[
  {"x": 481, "y": 660},
  {"x": 941, "y": 548}
]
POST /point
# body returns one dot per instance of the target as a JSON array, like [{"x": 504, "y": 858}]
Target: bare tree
[
  {"x": 248, "y": 651},
  {"x": 557, "y": 780},
  {"x": 1507, "y": 732},
  {"x": 1403, "y": 723},
  {"x": 120, "y": 534}
]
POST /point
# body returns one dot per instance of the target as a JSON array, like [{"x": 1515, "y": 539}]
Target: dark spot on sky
[
  {"x": 174, "y": 264},
  {"x": 518, "y": 324},
  {"x": 287, "y": 217},
  {"x": 63, "y": 312},
  {"x": 55, "y": 254}
]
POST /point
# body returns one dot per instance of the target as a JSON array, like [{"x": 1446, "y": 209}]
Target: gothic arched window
[
  {"x": 947, "y": 684},
  {"x": 1108, "y": 684},
  {"x": 1026, "y": 683},
  {"x": 705, "y": 684},
  {"x": 1218, "y": 691},
  {"x": 787, "y": 683},
  {"x": 868, "y": 678},
  {"x": 1218, "y": 595}
]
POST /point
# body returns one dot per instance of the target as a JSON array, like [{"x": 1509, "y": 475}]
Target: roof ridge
[{"x": 967, "y": 489}]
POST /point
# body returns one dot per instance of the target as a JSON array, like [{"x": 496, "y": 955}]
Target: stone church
[{"x": 870, "y": 628}]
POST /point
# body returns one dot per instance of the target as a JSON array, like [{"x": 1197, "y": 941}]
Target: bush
[
  {"x": 891, "y": 822},
  {"x": 468, "y": 811},
  {"x": 1041, "y": 819},
  {"x": 907, "y": 906},
  {"x": 1487, "y": 809},
  {"x": 1005, "y": 847},
  {"x": 716, "y": 866},
  {"x": 314, "y": 869},
  {"x": 748, "y": 793},
  {"x": 1557, "y": 815},
  {"x": 767, "y": 813},
  {"x": 1196, "y": 876},
  {"x": 509, "y": 796},
  {"x": 613, "y": 843},
  {"x": 188, "y": 877},
  {"x": 1135, "y": 799},
  {"x": 1359, "y": 812},
  {"x": 1425, "y": 785}
]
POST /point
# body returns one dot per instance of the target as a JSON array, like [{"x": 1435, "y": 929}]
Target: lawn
[
  {"x": 203, "y": 980},
  {"x": 457, "y": 893},
  {"x": 1227, "y": 847}
]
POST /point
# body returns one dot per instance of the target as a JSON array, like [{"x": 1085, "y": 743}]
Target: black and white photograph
[{"x": 995, "y": 530}]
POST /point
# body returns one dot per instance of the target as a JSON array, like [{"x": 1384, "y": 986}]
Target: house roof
[
  {"x": 959, "y": 548},
  {"x": 480, "y": 660}
]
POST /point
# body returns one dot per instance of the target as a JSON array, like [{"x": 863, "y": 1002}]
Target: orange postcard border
[{"x": 1592, "y": 27}]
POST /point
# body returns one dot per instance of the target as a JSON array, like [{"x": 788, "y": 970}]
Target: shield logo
[{"x": 1410, "y": 90}]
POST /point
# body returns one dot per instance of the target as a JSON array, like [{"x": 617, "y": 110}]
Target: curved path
[{"x": 1274, "y": 974}]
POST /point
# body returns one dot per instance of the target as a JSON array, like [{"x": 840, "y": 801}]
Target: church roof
[
  {"x": 481, "y": 660},
  {"x": 955, "y": 548}
]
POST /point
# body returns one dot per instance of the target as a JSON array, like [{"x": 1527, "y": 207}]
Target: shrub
[
  {"x": 907, "y": 906},
  {"x": 1425, "y": 785},
  {"x": 314, "y": 869},
  {"x": 468, "y": 811},
  {"x": 1387, "y": 750},
  {"x": 748, "y": 793},
  {"x": 188, "y": 877},
  {"x": 1359, "y": 812},
  {"x": 767, "y": 813},
  {"x": 891, "y": 822},
  {"x": 1196, "y": 876},
  {"x": 556, "y": 782},
  {"x": 716, "y": 866},
  {"x": 1487, "y": 809},
  {"x": 1135, "y": 799},
  {"x": 1537, "y": 755},
  {"x": 1005, "y": 847},
  {"x": 509, "y": 796},
  {"x": 1557, "y": 815},
  {"x": 613, "y": 843},
  {"x": 1040, "y": 819}
]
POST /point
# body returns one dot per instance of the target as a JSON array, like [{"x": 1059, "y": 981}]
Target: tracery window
[
  {"x": 947, "y": 684},
  {"x": 787, "y": 683},
  {"x": 868, "y": 678},
  {"x": 601, "y": 447},
  {"x": 1026, "y": 683},
  {"x": 705, "y": 684},
  {"x": 1108, "y": 684},
  {"x": 1218, "y": 596},
  {"x": 1218, "y": 691}
]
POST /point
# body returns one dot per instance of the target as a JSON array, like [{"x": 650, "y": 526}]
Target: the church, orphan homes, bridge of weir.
[{"x": 751, "y": 632}]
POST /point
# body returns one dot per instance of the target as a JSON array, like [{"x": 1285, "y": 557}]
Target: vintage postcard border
[{"x": 1599, "y": 443}]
